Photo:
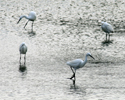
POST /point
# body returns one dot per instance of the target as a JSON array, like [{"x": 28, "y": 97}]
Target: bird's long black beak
[
  {"x": 92, "y": 57},
  {"x": 18, "y": 20}
]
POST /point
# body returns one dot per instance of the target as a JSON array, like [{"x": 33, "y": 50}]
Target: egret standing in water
[
  {"x": 23, "y": 50},
  {"x": 31, "y": 17},
  {"x": 76, "y": 64},
  {"x": 107, "y": 28}
]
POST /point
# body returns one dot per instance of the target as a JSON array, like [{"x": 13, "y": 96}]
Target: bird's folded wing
[
  {"x": 109, "y": 28},
  {"x": 74, "y": 63}
]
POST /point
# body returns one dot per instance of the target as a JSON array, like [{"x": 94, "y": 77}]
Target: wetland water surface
[{"x": 63, "y": 31}]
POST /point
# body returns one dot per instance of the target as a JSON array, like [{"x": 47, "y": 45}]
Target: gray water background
[{"x": 63, "y": 31}]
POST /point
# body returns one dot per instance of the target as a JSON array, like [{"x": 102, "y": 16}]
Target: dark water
[{"x": 63, "y": 31}]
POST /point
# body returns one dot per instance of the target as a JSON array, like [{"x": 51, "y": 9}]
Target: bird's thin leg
[
  {"x": 72, "y": 69},
  {"x": 20, "y": 59},
  {"x": 32, "y": 25},
  {"x": 109, "y": 37},
  {"x": 26, "y": 23},
  {"x": 25, "y": 59},
  {"x": 74, "y": 79},
  {"x": 73, "y": 73},
  {"x": 106, "y": 36}
]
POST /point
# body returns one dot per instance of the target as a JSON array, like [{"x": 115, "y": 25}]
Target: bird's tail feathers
[{"x": 68, "y": 63}]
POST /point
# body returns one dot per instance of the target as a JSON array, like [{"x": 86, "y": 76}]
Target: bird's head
[
  {"x": 23, "y": 43},
  {"x": 102, "y": 23},
  {"x": 89, "y": 54}
]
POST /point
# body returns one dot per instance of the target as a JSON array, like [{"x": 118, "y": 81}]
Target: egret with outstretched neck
[
  {"x": 31, "y": 17},
  {"x": 76, "y": 64},
  {"x": 23, "y": 50},
  {"x": 107, "y": 28}
]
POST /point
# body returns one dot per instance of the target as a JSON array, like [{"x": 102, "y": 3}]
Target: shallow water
[{"x": 63, "y": 31}]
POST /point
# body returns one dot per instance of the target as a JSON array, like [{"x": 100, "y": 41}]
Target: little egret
[
  {"x": 31, "y": 17},
  {"x": 107, "y": 28},
  {"x": 76, "y": 64},
  {"x": 23, "y": 50}
]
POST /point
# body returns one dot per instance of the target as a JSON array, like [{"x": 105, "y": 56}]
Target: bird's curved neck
[
  {"x": 85, "y": 61},
  {"x": 86, "y": 58},
  {"x": 24, "y": 17}
]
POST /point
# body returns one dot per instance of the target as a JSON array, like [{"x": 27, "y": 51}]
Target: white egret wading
[
  {"x": 31, "y": 17},
  {"x": 76, "y": 64},
  {"x": 107, "y": 28},
  {"x": 23, "y": 50}
]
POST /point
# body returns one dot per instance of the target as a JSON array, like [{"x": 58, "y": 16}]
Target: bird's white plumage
[
  {"x": 78, "y": 63},
  {"x": 23, "y": 48},
  {"x": 106, "y": 27},
  {"x": 32, "y": 16}
]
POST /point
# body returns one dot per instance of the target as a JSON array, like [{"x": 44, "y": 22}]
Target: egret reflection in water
[{"x": 22, "y": 68}]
